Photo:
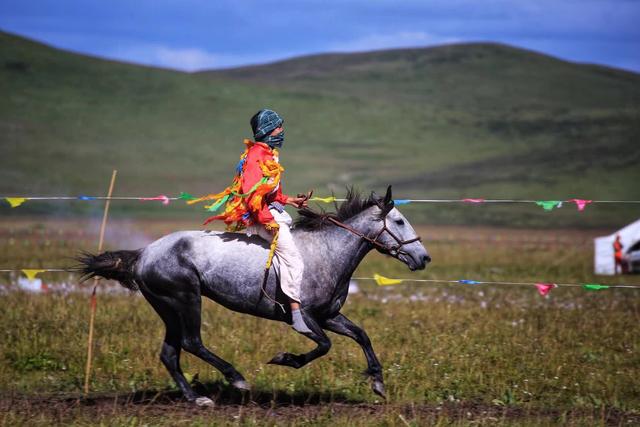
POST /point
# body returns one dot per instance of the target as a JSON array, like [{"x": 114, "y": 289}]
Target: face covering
[{"x": 274, "y": 141}]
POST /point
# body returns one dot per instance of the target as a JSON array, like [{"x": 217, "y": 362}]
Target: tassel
[
  {"x": 214, "y": 207},
  {"x": 240, "y": 166},
  {"x": 272, "y": 249}
]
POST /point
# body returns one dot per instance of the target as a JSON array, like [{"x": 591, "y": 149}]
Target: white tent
[{"x": 603, "y": 259}]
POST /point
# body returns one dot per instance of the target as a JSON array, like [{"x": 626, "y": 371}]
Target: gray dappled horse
[{"x": 176, "y": 270}]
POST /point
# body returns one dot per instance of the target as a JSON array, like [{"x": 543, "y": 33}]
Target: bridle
[{"x": 393, "y": 251}]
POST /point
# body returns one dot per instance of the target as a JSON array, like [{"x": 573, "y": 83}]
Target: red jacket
[{"x": 258, "y": 153}]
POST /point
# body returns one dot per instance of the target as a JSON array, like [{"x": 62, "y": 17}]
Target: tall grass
[{"x": 439, "y": 344}]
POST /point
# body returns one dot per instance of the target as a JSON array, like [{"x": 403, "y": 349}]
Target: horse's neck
[{"x": 340, "y": 250}]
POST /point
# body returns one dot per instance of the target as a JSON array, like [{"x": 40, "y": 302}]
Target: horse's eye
[{"x": 400, "y": 221}]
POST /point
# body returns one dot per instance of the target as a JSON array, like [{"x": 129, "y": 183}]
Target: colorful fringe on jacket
[{"x": 241, "y": 208}]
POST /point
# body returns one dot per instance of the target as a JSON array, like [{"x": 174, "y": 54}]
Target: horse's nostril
[{"x": 426, "y": 259}]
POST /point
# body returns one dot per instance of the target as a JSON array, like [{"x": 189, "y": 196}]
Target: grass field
[{"x": 452, "y": 354}]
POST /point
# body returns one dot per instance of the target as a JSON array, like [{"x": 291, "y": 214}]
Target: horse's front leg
[
  {"x": 340, "y": 324},
  {"x": 299, "y": 360}
]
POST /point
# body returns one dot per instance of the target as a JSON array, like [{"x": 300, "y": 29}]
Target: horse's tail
[{"x": 116, "y": 265}]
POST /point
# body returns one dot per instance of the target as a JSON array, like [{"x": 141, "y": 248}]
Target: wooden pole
[{"x": 92, "y": 317}]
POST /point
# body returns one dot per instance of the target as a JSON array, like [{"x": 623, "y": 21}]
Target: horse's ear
[
  {"x": 384, "y": 203},
  {"x": 388, "y": 198}
]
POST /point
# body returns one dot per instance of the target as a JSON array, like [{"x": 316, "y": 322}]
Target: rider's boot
[{"x": 298, "y": 322}]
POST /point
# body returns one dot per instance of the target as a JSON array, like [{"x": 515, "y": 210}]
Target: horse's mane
[{"x": 309, "y": 219}]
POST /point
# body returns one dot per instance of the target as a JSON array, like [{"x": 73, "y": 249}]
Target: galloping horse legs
[
  {"x": 170, "y": 353},
  {"x": 182, "y": 321},
  {"x": 190, "y": 317},
  {"x": 299, "y": 360},
  {"x": 341, "y": 325}
]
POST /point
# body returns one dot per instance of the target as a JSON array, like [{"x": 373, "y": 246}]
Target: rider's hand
[{"x": 298, "y": 202}]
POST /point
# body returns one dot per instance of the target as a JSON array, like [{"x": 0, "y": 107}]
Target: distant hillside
[
  {"x": 465, "y": 76},
  {"x": 469, "y": 120}
]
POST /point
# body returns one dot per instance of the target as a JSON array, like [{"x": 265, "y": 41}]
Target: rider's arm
[{"x": 281, "y": 197}]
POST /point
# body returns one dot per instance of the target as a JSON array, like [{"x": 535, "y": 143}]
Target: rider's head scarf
[{"x": 263, "y": 123}]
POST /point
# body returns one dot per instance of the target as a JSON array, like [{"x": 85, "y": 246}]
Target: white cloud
[
  {"x": 183, "y": 59},
  {"x": 189, "y": 59},
  {"x": 396, "y": 40}
]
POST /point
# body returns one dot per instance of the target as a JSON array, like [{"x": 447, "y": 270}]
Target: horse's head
[{"x": 393, "y": 235}]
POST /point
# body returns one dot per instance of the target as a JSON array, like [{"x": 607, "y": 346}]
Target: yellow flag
[
  {"x": 384, "y": 281},
  {"x": 31, "y": 273},
  {"x": 15, "y": 201},
  {"x": 323, "y": 199}
]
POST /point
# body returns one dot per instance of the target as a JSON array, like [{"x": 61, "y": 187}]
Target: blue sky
[{"x": 200, "y": 34}]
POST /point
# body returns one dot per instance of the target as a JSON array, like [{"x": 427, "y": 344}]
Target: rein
[{"x": 394, "y": 251}]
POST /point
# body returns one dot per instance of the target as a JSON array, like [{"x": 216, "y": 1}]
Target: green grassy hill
[{"x": 470, "y": 120}]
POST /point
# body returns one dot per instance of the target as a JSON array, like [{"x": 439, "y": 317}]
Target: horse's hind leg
[
  {"x": 170, "y": 353},
  {"x": 340, "y": 324},
  {"x": 189, "y": 313},
  {"x": 299, "y": 360}
]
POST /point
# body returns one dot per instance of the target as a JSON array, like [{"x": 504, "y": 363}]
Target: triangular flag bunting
[
  {"x": 580, "y": 203},
  {"x": 385, "y": 281},
  {"x": 399, "y": 202},
  {"x": 186, "y": 196},
  {"x": 164, "y": 199},
  {"x": 594, "y": 287},
  {"x": 469, "y": 282},
  {"x": 548, "y": 205},
  {"x": 31, "y": 273},
  {"x": 545, "y": 288},
  {"x": 16, "y": 201}
]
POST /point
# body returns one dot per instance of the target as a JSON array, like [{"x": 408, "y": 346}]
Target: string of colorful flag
[
  {"x": 547, "y": 205},
  {"x": 543, "y": 288}
]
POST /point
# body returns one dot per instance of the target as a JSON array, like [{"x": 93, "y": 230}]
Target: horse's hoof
[
  {"x": 241, "y": 385},
  {"x": 378, "y": 388},
  {"x": 204, "y": 402},
  {"x": 286, "y": 359},
  {"x": 278, "y": 359}
]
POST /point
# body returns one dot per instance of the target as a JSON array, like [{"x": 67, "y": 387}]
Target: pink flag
[
  {"x": 473, "y": 200},
  {"x": 545, "y": 288},
  {"x": 580, "y": 203},
  {"x": 164, "y": 199}
]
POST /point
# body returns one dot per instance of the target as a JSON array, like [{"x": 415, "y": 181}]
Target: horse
[{"x": 175, "y": 271}]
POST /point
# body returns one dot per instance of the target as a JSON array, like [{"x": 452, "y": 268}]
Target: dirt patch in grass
[{"x": 278, "y": 408}]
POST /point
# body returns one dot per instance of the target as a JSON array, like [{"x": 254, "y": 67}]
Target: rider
[{"x": 255, "y": 201}]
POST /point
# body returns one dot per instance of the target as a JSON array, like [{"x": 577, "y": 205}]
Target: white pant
[{"x": 289, "y": 258}]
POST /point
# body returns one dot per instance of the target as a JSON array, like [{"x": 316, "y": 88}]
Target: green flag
[
  {"x": 548, "y": 205},
  {"x": 594, "y": 287}
]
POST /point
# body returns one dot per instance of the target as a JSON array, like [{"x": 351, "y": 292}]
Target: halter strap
[{"x": 394, "y": 251}]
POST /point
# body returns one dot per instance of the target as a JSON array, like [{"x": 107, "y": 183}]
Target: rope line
[
  {"x": 499, "y": 201},
  {"x": 478, "y": 282},
  {"x": 467, "y": 201},
  {"x": 472, "y": 282},
  {"x": 42, "y": 269},
  {"x": 82, "y": 198}
]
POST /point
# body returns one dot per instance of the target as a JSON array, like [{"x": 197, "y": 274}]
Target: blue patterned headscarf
[{"x": 263, "y": 123}]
